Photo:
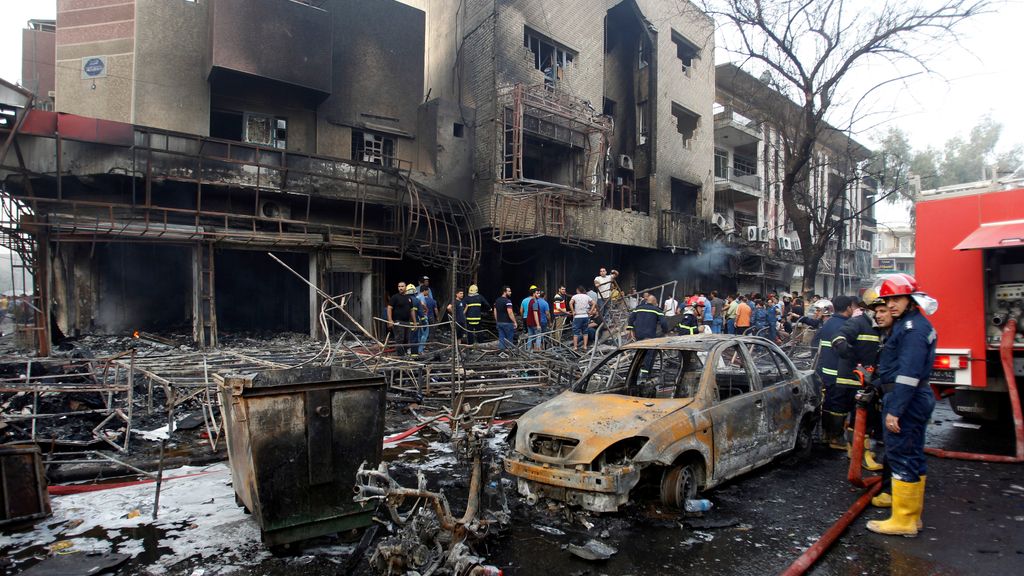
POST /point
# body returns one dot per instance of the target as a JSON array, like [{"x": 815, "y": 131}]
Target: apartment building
[
  {"x": 38, "y": 52},
  {"x": 190, "y": 138},
  {"x": 592, "y": 132},
  {"x": 749, "y": 212},
  {"x": 894, "y": 250}
]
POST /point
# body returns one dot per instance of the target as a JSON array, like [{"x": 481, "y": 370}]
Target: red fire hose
[
  {"x": 1006, "y": 356},
  {"x": 854, "y": 475}
]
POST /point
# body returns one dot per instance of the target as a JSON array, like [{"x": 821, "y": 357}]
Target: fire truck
[{"x": 970, "y": 257}]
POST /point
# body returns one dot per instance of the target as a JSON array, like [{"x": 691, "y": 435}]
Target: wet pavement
[{"x": 760, "y": 523}]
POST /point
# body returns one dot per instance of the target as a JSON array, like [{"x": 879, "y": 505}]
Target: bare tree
[{"x": 813, "y": 55}]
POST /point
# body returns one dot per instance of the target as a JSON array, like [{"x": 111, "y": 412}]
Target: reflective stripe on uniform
[
  {"x": 868, "y": 338},
  {"x": 907, "y": 380},
  {"x": 824, "y": 344},
  {"x": 830, "y": 371},
  {"x": 848, "y": 381},
  {"x": 658, "y": 312},
  {"x": 470, "y": 305}
]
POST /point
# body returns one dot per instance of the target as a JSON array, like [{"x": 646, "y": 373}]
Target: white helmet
[
  {"x": 825, "y": 306},
  {"x": 689, "y": 310}
]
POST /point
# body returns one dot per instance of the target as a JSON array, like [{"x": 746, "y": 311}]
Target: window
[
  {"x": 458, "y": 130},
  {"x": 743, "y": 166},
  {"x": 732, "y": 374},
  {"x": 546, "y": 52},
  {"x": 686, "y": 122},
  {"x": 642, "y": 123},
  {"x": 8, "y": 116},
  {"x": 265, "y": 130},
  {"x": 684, "y": 197},
  {"x": 721, "y": 163},
  {"x": 643, "y": 51},
  {"x": 373, "y": 148},
  {"x": 686, "y": 51},
  {"x": 769, "y": 365}
]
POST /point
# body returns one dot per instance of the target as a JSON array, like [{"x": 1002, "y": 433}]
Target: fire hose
[
  {"x": 874, "y": 485},
  {"x": 1006, "y": 357},
  {"x": 855, "y": 476}
]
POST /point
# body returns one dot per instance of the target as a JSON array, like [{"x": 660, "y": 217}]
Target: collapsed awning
[{"x": 995, "y": 235}]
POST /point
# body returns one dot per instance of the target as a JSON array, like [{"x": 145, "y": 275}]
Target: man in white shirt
[
  {"x": 603, "y": 284},
  {"x": 581, "y": 307},
  {"x": 671, "y": 306}
]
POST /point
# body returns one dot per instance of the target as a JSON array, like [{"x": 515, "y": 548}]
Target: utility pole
[{"x": 840, "y": 232}]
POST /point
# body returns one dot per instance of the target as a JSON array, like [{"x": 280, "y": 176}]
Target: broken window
[
  {"x": 458, "y": 130},
  {"x": 266, "y": 130},
  {"x": 684, "y": 197},
  {"x": 769, "y": 365},
  {"x": 686, "y": 122},
  {"x": 642, "y": 122},
  {"x": 609, "y": 377},
  {"x": 373, "y": 148},
  {"x": 732, "y": 374},
  {"x": 643, "y": 51},
  {"x": 686, "y": 51},
  {"x": 547, "y": 54},
  {"x": 721, "y": 163}
]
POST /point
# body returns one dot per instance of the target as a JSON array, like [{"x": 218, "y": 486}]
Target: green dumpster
[{"x": 295, "y": 440}]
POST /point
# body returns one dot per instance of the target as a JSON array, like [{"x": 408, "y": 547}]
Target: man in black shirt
[
  {"x": 400, "y": 318},
  {"x": 505, "y": 318}
]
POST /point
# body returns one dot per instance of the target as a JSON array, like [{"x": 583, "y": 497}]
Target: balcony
[
  {"x": 678, "y": 231},
  {"x": 734, "y": 129},
  {"x": 737, "y": 184},
  {"x": 288, "y": 42}
]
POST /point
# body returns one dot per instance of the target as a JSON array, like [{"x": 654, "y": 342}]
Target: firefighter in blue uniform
[
  {"x": 475, "y": 305},
  {"x": 856, "y": 347},
  {"x": 833, "y": 421},
  {"x": 688, "y": 324},
  {"x": 644, "y": 321},
  {"x": 904, "y": 368}
]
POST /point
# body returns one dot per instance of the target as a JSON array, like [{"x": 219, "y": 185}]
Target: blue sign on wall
[{"x": 94, "y": 67}]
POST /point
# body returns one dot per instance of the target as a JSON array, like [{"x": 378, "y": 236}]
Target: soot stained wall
[
  {"x": 256, "y": 294},
  {"x": 144, "y": 287}
]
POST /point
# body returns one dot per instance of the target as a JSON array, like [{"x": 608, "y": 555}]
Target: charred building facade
[
  {"x": 593, "y": 132},
  {"x": 189, "y": 139}
]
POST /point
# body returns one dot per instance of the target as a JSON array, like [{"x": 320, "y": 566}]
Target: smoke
[{"x": 711, "y": 260}]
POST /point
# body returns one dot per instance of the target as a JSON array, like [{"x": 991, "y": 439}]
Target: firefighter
[
  {"x": 688, "y": 324},
  {"x": 883, "y": 319},
  {"x": 856, "y": 347},
  {"x": 832, "y": 421},
  {"x": 644, "y": 321},
  {"x": 904, "y": 367},
  {"x": 475, "y": 304}
]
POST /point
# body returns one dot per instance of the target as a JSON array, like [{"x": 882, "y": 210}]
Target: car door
[
  {"x": 736, "y": 412},
  {"x": 783, "y": 397}
]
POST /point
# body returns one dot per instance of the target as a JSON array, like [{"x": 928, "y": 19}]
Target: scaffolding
[{"x": 525, "y": 208}]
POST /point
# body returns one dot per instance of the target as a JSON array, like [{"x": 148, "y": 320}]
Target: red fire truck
[{"x": 970, "y": 256}]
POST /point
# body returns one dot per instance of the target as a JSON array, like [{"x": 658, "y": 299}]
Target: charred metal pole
[
  {"x": 455, "y": 333},
  {"x": 159, "y": 477}
]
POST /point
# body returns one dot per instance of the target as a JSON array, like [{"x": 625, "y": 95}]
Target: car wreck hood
[{"x": 596, "y": 420}]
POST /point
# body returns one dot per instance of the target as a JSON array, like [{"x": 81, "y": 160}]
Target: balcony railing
[
  {"x": 677, "y": 230},
  {"x": 731, "y": 174}
]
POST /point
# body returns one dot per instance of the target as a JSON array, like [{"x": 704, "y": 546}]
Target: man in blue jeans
[{"x": 505, "y": 318}]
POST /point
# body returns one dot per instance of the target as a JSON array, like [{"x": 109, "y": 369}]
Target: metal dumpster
[
  {"x": 295, "y": 440},
  {"x": 22, "y": 485}
]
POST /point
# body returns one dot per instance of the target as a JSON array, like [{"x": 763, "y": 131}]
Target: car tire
[
  {"x": 804, "y": 443},
  {"x": 680, "y": 483}
]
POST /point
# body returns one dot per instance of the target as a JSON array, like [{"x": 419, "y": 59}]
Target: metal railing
[
  {"x": 731, "y": 174},
  {"x": 680, "y": 230}
]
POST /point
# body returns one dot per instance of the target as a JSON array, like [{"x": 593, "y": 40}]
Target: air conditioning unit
[
  {"x": 275, "y": 210},
  {"x": 785, "y": 243},
  {"x": 751, "y": 233},
  {"x": 625, "y": 162},
  {"x": 864, "y": 245},
  {"x": 762, "y": 235},
  {"x": 796, "y": 244},
  {"x": 720, "y": 221}
]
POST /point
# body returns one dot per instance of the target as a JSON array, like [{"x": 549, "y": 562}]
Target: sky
[{"x": 982, "y": 75}]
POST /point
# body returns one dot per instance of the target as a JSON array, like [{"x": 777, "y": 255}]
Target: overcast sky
[{"x": 983, "y": 76}]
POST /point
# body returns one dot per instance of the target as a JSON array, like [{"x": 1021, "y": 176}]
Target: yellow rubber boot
[
  {"x": 882, "y": 500},
  {"x": 869, "y": 461},
  {"x": 920, "y": 507},
  {"x": 907, "y": 498}
]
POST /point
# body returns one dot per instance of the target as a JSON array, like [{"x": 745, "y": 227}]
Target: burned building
[
  {"x": 749, "y": 161},
  {"x": 592, "y": 132},
  {"x": 192, "y": 138}
]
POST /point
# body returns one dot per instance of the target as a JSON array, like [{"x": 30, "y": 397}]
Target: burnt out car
[{"x": 684, "y": 413}]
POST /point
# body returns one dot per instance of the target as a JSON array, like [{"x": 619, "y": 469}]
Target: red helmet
[{"x": 896, "y": 285}]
